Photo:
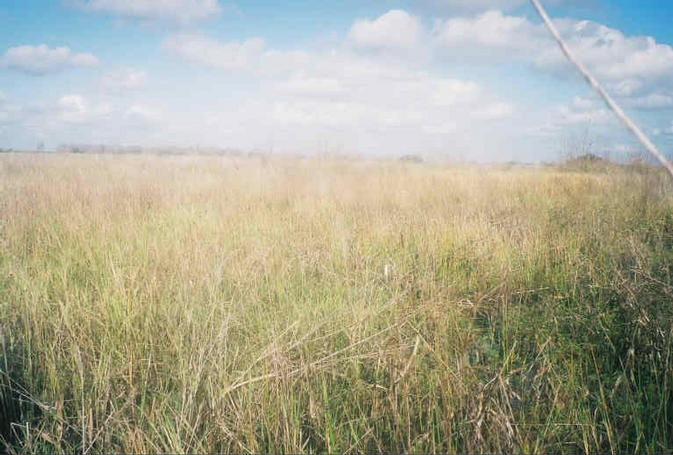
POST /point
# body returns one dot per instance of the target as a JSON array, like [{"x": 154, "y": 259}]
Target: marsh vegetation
[{"x": 214, "y": 304}]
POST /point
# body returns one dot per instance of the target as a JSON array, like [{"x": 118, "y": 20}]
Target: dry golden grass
[{"x": 193, "y": 304}]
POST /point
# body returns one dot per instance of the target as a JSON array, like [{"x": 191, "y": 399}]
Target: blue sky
[{"x": 470, "y": 79}]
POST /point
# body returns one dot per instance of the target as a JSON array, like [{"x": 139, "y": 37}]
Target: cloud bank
[
  {"x": 40, "y": 60},
  {"x": 180, "y": 11},
  {"x": 385, "y": 86}
]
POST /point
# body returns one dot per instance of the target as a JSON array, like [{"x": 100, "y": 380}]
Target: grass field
[{"x": 196, "y": 304}]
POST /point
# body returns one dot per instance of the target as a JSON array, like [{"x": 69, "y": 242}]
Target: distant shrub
[
  {"x": 588, "y": 162},
  {"x": 411, "y": 159}
]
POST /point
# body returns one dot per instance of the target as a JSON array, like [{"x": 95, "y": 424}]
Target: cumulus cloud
[
  {"x": 615, "y": 57},
  {"x": 584, "y": 111},
  {"x": 42, "y": 59},
  {"x": 341, "y": 94},
  {"x": 141, "y": 115},
  {"x": 624, "y": 61},
  {"x": 653, "y": 101},
  {"x": 488, "y": 36},
  {"x": 4, "y": 115},
  {"x": 473, "y": 4},
  {"x": 397, "y": 101},
  {"x": 124, "y": 79},
  {"x": 633, "y": 67},
  {"x": 495, "y": 111},
  {"x": 395, "y": 29},
  {"x": 180, "y": 11},
  {"x": 72, "y": 103},
  {"x": 637, "y": 69},
  {"x": 237, "y": 55},
  {"x": 252, "y": 56},
  {"x": 310, "y": 86},
  {"x": 76, "y": 118},
  {"x": 448, "y": 92},
  {"x": 74, "y": 108},
  {"x": 357, "y": 92},
  {"x": 339, "y": 114},
  {"x": 476, "y": 5}
]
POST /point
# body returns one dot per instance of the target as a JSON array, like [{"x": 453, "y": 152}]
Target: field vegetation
[{"x": 222, "y": 304}]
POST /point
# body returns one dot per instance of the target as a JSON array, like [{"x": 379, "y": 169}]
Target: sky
[{"x": 474, "y": 80}]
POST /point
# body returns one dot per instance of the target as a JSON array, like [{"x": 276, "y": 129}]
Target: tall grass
[{"x": 183, "y": 304}]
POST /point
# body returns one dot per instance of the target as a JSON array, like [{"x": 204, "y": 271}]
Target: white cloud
[
  {"x": 142, "y": 114},
  {"x": 74, "y": 108},
  {"x": 583, "y": 104},
  {"x": 369, "y": 91},
  {"x": 124, "y": 79},
  {"x": 627, "y": 149},
  {"x": 42, "y": 59},
  {"x": 365, "y": 101},
  {"x": 489, "y": 35},
  {"x": 614, "y": 57},
  {"x": 4, "y": 115},
  {"x": 396, "y": 29},
  {"x": 633, "y": 67},
  {"x": 371, "y": 107},
  {"x": 447, "y": 92},
  {"x": 242, "y": 56},
  {"x": 181, "y": 11},
  {"x": 72, "y": 103},
  {"x": 306, "y": 85},
  {"x": 78, "y": 119},
  {"x": 323, "y": 114},
  {"x": 442, "y": 128},
  {"x": 624, "y": 62},
  {"x": 651, "y": 101},
  {"x": 584, "y": 111},
  {"x": 477, "y": 5},
  {"x": 253, "y": 57},
  {"x": 627, "y": 87},
  {"x": 629, "y": 66},
  {"x": 9, "y": 111},
  {"x": 495, "y": 111}
]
